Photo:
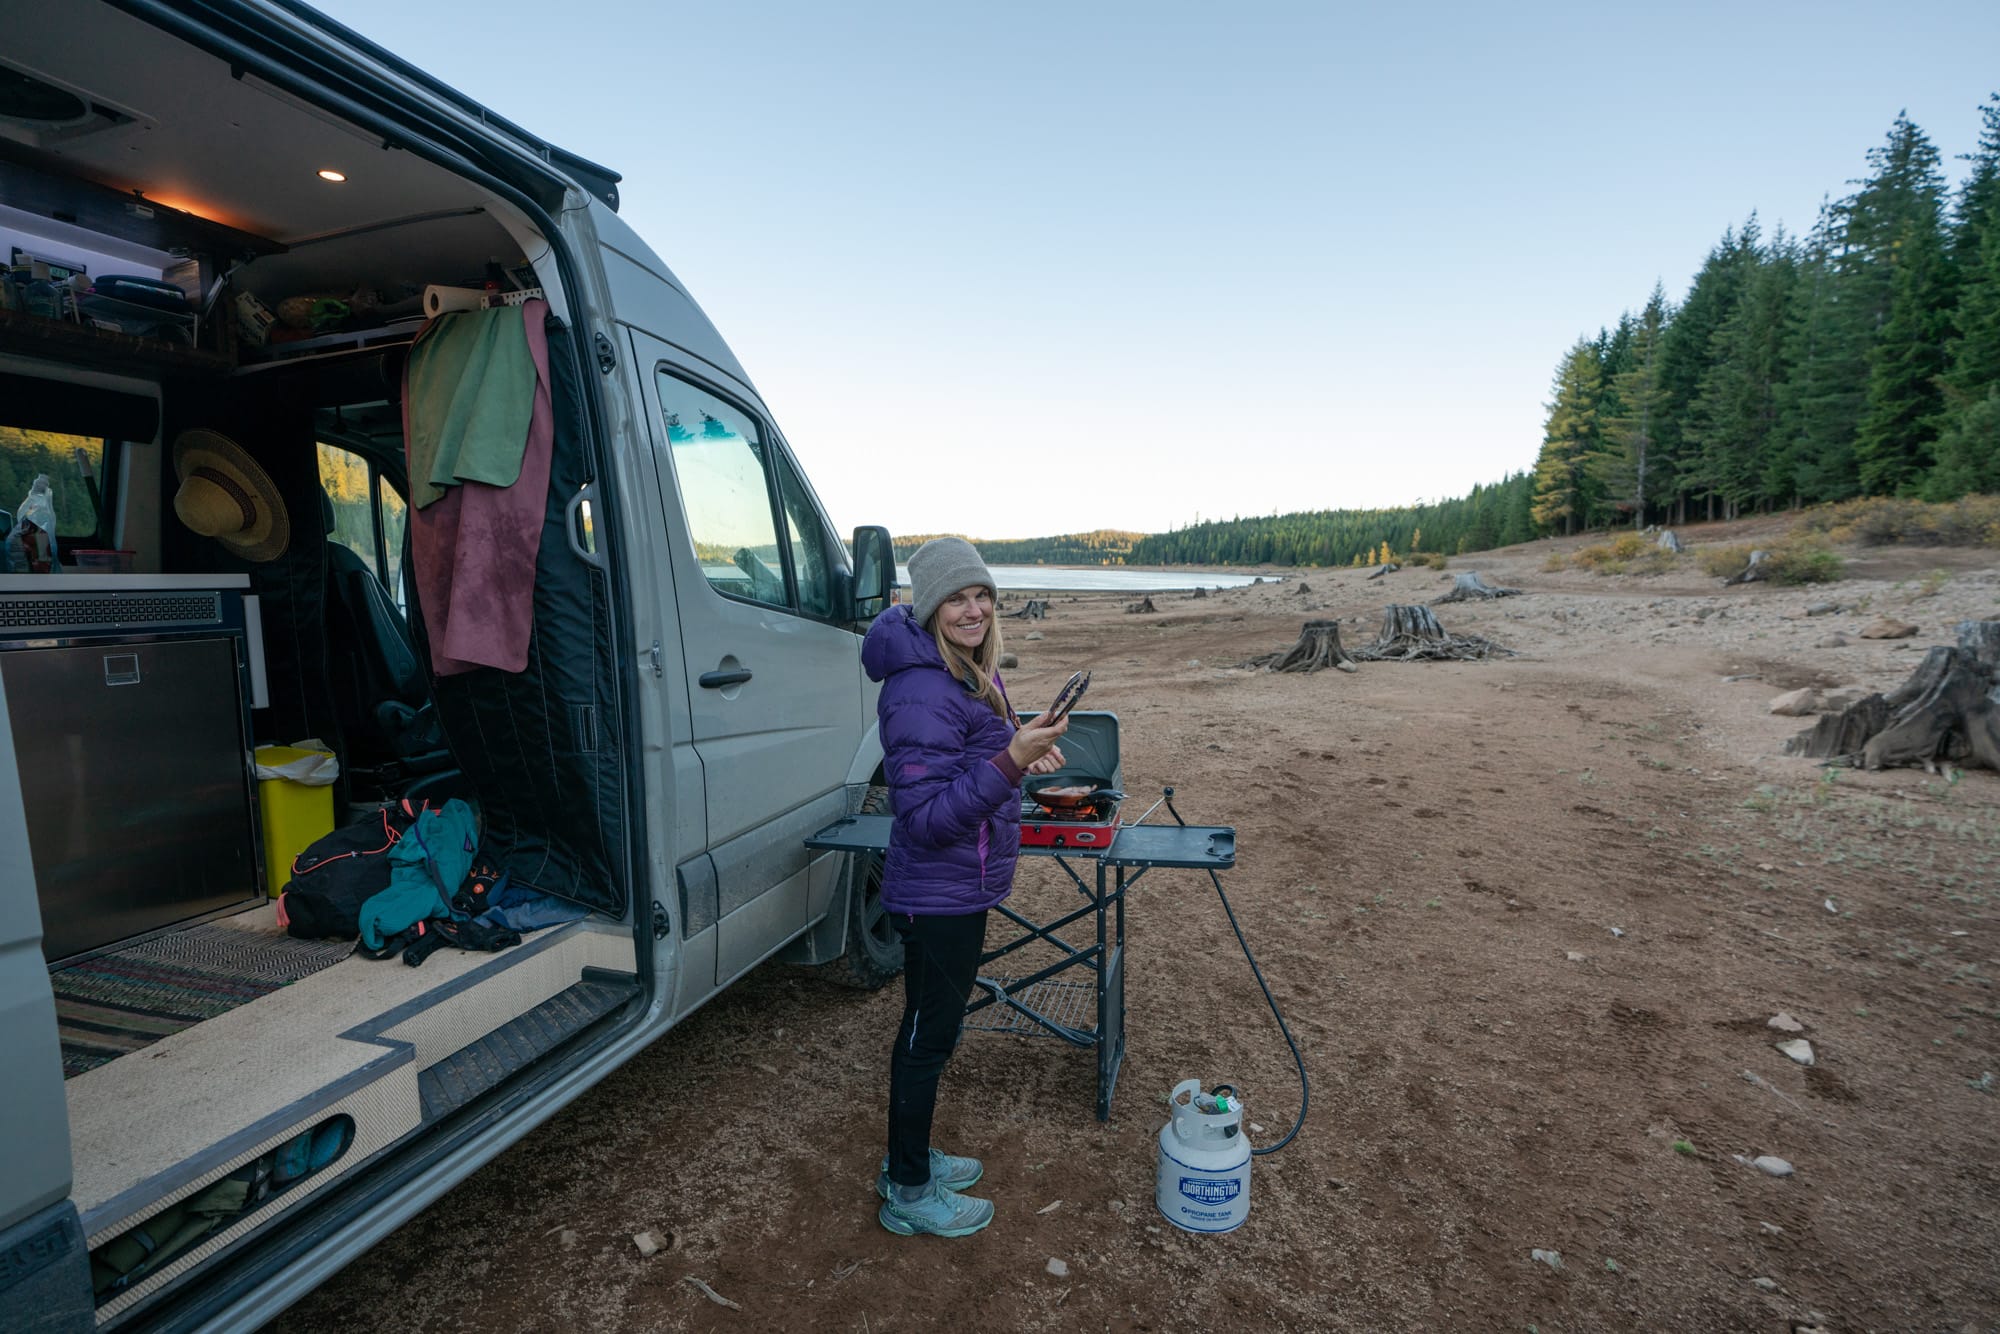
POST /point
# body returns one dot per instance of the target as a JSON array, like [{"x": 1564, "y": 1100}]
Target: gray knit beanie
[{"x": 939, "y": 568}]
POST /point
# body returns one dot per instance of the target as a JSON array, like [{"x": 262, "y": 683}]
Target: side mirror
[{"x": 874, "y": 571}]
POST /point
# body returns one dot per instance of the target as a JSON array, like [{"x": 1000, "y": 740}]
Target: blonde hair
[{"x": 977, "y": 668}]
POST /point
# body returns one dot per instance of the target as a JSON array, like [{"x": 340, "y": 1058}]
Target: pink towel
[{"x": 473, "y": 552}]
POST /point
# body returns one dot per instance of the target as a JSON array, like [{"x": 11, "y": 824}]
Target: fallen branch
[{"x": 713, "y": 1295}]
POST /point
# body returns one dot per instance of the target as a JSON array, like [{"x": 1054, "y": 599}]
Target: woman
[{"x": 955, "y": 755}]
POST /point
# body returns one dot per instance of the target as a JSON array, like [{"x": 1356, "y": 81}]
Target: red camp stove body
[
  {"x": 1090, "y": 829},
  {"x": 1092, "y": 762}
]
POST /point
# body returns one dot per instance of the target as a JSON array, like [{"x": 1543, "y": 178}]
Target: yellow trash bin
[{"x": 292, "y": 814}]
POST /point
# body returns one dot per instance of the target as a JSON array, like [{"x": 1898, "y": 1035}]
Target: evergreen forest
[
  {"x": 1105, "y": 546},
  {"x": 1861, "y": 359}
]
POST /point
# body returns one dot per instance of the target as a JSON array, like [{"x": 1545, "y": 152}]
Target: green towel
[{"x": 470, "y": 387}]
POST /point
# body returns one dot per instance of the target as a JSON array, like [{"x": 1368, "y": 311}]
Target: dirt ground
[{"x": 1527, "y": 918}]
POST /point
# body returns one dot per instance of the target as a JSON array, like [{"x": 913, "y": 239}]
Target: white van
[{"x": 221, "y": 219}]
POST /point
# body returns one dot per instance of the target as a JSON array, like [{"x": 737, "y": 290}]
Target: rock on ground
[
  {"x": 1798, "y": 1049},
  {"x": 1796, "y": 703}
]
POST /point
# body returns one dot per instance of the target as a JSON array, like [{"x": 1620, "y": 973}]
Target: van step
[{"x": 478, "y": 1066}]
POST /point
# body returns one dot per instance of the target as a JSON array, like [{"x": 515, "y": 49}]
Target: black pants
[{"x": 940, "y": 959}]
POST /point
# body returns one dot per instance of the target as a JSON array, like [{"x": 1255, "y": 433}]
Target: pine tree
[
  {"x": 1972, "y": 373},
  {"x": 1688, "y": 351},
  {"x": 1563, "y": 489},
  {"x": 1899, "y": 213},
  {"x": 1624, "y": 464},
  {"x": 1827, "y": 333},
  {"x": 1735, "y": 410}
]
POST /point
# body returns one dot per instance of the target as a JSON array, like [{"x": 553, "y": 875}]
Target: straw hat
[{"x": 226, "y": 495}]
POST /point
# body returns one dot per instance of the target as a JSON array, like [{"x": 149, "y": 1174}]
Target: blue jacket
[{"x": 955, "y": 792}]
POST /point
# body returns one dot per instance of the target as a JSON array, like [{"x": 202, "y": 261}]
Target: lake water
[{"x": 1115, "y": 578}]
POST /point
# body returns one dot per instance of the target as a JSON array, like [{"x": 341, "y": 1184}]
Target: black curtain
[{"x": 542, "y": 747}]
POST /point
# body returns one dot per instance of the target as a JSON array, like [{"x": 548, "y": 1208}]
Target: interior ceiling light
[{"x": 329, "y": 174}]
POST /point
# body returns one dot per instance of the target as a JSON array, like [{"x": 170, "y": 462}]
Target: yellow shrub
[
  {"x": 1556, "y": 561},
  {"x": 1625, "y": 546},
  {"x": 1874, "y": 521},
  {"x": 1723, "y": 561},
  {"x": 1627, "y": 553}
]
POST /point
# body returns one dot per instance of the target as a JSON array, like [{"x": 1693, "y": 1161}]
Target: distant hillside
[
  {"x": 1493, "y": 515},
  {"x": 1105, "y": 546}
]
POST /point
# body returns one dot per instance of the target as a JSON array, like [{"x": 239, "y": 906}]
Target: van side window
[
  {"x": 808, "y": 539},
  {"x": 369, "y": 517},
  {"x": 720, "y": 461},
  {"x": 75, "y": 467},
  {"x": 395, "y": 525}
]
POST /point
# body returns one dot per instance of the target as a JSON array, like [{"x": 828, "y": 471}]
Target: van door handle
[{"x": 717, "y": 680}]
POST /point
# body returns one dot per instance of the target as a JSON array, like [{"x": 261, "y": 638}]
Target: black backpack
[{"x": 337, "y": 874}]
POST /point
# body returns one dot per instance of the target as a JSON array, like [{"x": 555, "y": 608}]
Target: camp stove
[
  {"x": 1090, "y": 752},
  {"x": 1089, "y": 827}
]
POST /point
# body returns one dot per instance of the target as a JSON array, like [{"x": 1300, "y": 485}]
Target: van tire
[{"x": 874, "y": 954}]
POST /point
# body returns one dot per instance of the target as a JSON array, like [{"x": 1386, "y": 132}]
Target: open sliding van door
[
  {"x": 41, "y": 1243},
  {"x": 772, "y": 666}
]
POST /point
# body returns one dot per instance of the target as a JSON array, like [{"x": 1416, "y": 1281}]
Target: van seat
[{"x": 381, "y": 692}]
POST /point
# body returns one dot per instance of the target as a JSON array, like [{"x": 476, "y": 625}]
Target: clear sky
[{"x": 1028, "y": 268}]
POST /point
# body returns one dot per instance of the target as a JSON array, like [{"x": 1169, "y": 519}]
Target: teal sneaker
[
  {"x": 948, "y": 1170},
  {"x": 942, "y": 1212}
]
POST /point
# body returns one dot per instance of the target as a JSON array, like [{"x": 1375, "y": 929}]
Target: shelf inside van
[{"x": 34, "y": 336}]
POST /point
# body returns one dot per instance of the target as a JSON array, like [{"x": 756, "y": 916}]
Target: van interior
[{"x": 191, "y": 252}]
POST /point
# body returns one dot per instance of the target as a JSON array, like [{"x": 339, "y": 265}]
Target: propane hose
[{"x": 1305, "y": 1087}]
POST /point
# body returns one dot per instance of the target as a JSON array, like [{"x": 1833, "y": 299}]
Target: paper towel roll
[{"x": 440, "y": 300}]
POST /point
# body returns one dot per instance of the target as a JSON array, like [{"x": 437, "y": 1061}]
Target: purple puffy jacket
[{"x": 955, "y": 792}]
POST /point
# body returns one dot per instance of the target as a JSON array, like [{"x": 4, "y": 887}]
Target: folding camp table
[{"x": 1042, "y": 1001}]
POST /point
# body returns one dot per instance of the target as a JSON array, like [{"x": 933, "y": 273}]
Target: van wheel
[{"x": 874, "y": 950}]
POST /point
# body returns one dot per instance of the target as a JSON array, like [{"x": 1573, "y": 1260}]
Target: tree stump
[
  {"x": 1142, "y": 607},
  {"x": 1318, "y": 647},
  {"x": 1200, "y": 592},
  {"x": 1947, "y": 711},
  {"x": 1982, "y": 640},
  {"x": 1034, "y": 610},
  {"x": 1302, "y": 589},
  {"x": 1670, "y": 541},
  {"x": 1750, "y": 574},
  {"x": 1836, "y": 735},
  {"x": 1413, "y": 634},
  {"x": 1389, "y": 567},
  {"x": 1469, "y": 587}
]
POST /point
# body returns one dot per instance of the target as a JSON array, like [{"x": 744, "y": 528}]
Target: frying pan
[{"x": 1097, "y": 791}]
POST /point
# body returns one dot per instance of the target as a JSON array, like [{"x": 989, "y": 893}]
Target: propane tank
[{"x": 1204, "y": 1182}]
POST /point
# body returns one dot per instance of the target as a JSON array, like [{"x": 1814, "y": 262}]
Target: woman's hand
[
  {"x": 1035, "y": 741},
  {"x": 1049, "y": 763}
]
